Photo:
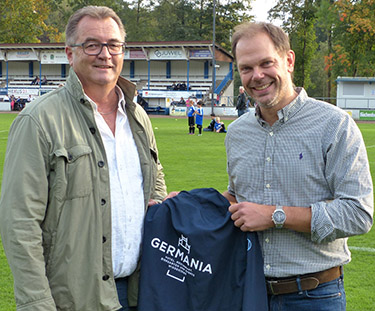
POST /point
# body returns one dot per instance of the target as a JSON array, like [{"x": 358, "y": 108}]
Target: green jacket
[{"x": 55, "y": 209}]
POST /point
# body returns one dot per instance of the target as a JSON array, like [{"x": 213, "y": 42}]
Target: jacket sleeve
[
  {"x": 22, "y": 210},
  {"x": 350, "y": 212},
  {"x": 160, "y": 188}
]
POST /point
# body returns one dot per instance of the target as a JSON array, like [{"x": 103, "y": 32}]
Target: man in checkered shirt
[{"x": 298, "y": 175}]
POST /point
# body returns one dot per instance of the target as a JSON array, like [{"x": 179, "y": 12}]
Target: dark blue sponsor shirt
[{"x": 195, "y": 259}]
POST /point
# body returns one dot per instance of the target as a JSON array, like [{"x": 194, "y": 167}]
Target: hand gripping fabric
[{"x": 195, "y": 259}]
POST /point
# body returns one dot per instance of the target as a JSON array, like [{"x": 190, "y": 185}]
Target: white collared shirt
[{"x": 126, "y": 184}]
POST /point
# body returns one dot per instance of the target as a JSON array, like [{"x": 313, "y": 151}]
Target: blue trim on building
[
  {"x": 149, "y": 74},
  {"x": 355, "y": 79},
  {"x": 63, "y": 70},
  {"x": 188, "y": 74},
  {"x": 168, "y": 69},
  {"x": 206, "y": 67},
  {"x": 31, "y": 69}
]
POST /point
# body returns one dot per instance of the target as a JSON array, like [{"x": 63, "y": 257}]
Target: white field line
[
  {"x": 362, "y": 249},
  {"x": 372, "y": 146}
]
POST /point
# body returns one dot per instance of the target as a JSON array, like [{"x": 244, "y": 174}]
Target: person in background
[
  {"x": 81, "y": 168},
  {"x": 211, "y": 126},
  {"x": 35, "y": 81},
  {"x": 219, "y": 126},
  {"x": 44, "y": 81},
  {"x": 199, "y": 117},
  {"x": 182, "y": 102},
  {"x": 241, "y": 102},
  {"x": 298, "y": 176}
]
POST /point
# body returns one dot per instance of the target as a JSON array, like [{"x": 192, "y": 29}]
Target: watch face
[{"x": 279, "y": 216}]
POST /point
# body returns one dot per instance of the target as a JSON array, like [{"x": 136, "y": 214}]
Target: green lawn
[{"x": 196, "y": 162}]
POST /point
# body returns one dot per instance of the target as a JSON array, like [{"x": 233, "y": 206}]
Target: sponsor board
[{"x": 367, "y": 115}]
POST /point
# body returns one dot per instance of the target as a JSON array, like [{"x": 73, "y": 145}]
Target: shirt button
[
  {"x": 101, "y": 163},
  {"x": 104, "y": 239},
  {"x": 267, "y": 240},
  {"x": 103, "y": 202},
  {"x": 268, "y": 159},
  {"x": 271, "y": 133},
  {"x": 70, "y": 157},
  {"x": 268, "y": 186},
  {"x": 92, "y": 130},
  {"x": 105, "y": 277},
  {"x": 268, "y": 267}
]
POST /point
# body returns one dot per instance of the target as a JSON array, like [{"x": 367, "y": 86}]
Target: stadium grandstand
[{"x": 162, "y": 71}]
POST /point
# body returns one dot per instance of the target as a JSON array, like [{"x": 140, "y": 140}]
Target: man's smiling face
[
  {"x": 103, "y": 69},
  {"x": 265, "y": 74}
]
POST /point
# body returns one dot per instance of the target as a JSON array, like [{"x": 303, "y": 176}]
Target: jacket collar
[{"x": 74, "y": 86}]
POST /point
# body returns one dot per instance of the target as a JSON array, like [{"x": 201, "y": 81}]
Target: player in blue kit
[
  {"x": 199, "y": 117},
  {"x": 191, "y": 117}
]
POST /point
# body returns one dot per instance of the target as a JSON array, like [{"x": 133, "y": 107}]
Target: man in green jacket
[{"x": 81, "y": 168}]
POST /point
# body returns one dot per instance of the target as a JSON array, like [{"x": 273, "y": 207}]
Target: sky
[{"x": 260, "y": 9}]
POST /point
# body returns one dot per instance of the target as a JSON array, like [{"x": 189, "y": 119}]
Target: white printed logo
[{"x": 180, "y": 264}]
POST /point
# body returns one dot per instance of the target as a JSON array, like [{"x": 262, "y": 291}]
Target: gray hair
[{"x": 97, "y": 12}]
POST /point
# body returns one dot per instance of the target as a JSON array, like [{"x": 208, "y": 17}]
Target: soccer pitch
[{"x": 200, "y": 162}]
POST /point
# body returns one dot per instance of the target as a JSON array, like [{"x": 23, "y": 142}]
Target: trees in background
[
  {"x": 330, "y": 37},
  {"x": 25, "y": 21}
]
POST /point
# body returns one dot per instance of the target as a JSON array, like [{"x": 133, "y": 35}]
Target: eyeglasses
[{"x": 94, "y": 48}]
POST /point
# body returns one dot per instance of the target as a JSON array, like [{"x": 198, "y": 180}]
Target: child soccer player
[
  {"x": 191, "y": 114},
  {"x": 211, "y": 126},
  {"x": 199, "y": 117},
  {"x": 219, "y": 126}
]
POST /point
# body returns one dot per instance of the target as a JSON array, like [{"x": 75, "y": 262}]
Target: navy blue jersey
[{"x": 195, "y": 259}]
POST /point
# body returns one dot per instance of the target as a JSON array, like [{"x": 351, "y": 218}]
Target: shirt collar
[
  {"x": 289, "y": 110},
  {"x": 121, "y": 100}
]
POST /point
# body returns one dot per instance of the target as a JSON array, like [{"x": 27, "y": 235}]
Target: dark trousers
[{"x": 122, "y": 292}]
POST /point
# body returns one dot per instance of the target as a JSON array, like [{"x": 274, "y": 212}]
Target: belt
[{"x": 280, "y": 286}]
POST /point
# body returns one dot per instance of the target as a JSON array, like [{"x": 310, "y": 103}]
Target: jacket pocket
[{"x": 71, "y": 176}]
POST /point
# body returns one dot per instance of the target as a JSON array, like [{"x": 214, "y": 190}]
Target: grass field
[{"x": 197, "y": 162}]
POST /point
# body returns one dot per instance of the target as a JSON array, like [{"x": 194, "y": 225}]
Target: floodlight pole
[{"x": 213, "y": 59}]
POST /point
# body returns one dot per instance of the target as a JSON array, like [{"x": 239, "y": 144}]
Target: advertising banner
[
  {"x": 170, "y": 94},
  {"x": 54, "y": 57},
  {"x": 21, "y": 55},
  {"x": 201, "y": 53},
  {"x": 134, "y": 54},
  {"x": 23, "y": 93},
  {"x": 367, "y": 115},
  {"x": 160, "y": 54}
]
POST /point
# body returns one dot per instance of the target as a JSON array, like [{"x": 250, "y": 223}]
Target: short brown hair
[
  {"x": 249, "y": 29},
  {"x": 97, "y": 12}
]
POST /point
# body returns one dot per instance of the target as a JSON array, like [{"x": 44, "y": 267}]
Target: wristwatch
[{"x": 278, "y": 217}]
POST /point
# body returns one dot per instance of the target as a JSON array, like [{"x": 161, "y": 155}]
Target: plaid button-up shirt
[{"x": 313, "y": 156}]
